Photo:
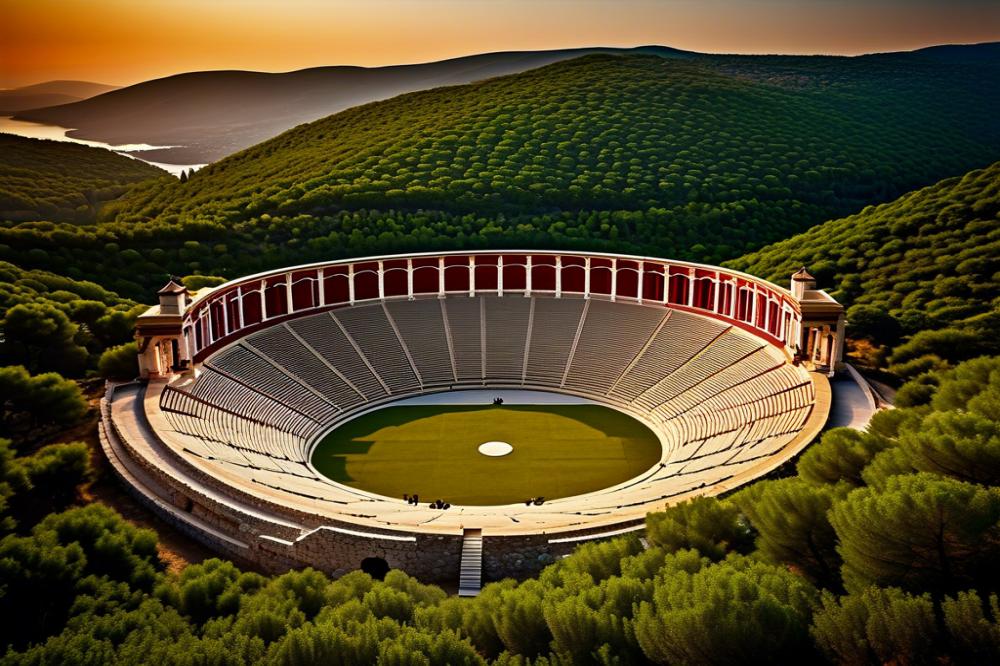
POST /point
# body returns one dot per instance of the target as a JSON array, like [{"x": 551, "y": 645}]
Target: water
[{"x": 56, "y": 133}]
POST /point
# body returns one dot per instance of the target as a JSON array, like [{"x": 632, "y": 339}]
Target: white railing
[{"x": 226, "y": 313}]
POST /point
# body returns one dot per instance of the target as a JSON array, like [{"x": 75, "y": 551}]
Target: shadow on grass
[
  {"x": 609, "y": 421},
  {"x": 332, "y": 462},
  {"x": 357, "y": 437}
]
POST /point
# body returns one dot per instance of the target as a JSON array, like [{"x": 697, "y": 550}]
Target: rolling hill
[
  {"x": 925, "y": 265},
  {"x": 49, "y": 93},
  {"x": 217, "y": 113},
  {"x": 58, "y": 181},
  {"x": 693, "y": 158}
]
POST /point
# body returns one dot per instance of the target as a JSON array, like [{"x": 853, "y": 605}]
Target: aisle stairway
[{"x": 470, "y": 578}]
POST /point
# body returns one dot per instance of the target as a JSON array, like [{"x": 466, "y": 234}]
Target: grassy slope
[
  {"x": 559, "y": 450},
  {"x": 61, "y": 181},
  {"x": 930, "y": 259}
]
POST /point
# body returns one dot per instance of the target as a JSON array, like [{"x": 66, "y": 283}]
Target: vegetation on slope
[
  {"x": 698, "y": 158},
  {"x": 53, "y": 323},
  {"x": 205, "y": 116},
  {"x": 924, "y": 268},
  {"x": 60, "y": 181},
  {"x": 882, "y": 548}
]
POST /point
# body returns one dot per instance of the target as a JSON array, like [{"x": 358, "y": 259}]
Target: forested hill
[
  {"x": 701, "y": 158},
  {"x": 61, "y": 181},
  {"x": 205, "y": 116},
  {"x": 926, "y": 264}
]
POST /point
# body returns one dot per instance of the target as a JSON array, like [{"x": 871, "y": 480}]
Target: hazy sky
[{"x": 125, "y": 41}]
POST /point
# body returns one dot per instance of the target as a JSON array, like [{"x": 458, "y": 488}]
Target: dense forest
[
  {"x": 688, "y": 158},
  {"x": 881, "y": 547},
  {"x": 921, "y": 274},
  {"x": 60, "y": 181}
]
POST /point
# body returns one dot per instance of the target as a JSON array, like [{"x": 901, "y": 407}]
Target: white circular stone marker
[{"x": 495, "y": 449}]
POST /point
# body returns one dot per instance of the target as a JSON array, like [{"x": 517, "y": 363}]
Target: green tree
[
  {"x": 41, "y": 337},
  {"x": 877, "y": 626},
  {"x": 120, "y": 362},
  {"x": 27, "y": 401},
  {"x": 65, "y": 554},
  {"x": 973, "y": 624},
  {"x": 53, "y": 475},
  {"x": 790, "y": 516},
  {"x": 871, "y": 322},
  {"x": 736, "y": 611},
  {"x": 921, "y": 532},
  {"x": 840, "y": 455},
  {"x": 520, "y": 621},
  {"x": 965, "y": 446},
  {"x": 712, "y": 526}
]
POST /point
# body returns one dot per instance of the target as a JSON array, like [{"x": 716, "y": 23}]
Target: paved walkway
[{"x": 850, "y": 408}]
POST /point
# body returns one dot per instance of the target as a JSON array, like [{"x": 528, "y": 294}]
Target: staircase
[{"x": 470, "y": 578}]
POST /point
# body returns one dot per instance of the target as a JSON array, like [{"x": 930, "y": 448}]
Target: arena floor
[{"x": 432, "y": 450}]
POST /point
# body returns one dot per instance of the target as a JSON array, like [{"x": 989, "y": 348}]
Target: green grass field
[{"x": 432, "y": 450}]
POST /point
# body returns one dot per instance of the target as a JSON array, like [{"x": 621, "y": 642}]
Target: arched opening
[{"x": 375, "y": 567}]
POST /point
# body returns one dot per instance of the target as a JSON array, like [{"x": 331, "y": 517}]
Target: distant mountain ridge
[
  {"x": 216, "y": 113},
  {"x": 209, "y": 115},
  {"x": 48, "y": 93}
]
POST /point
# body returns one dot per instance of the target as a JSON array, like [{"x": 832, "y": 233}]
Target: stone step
[{"x": 470, "y": 578}]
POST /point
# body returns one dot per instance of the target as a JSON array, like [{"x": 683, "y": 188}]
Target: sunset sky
[{"x": 126, "y": 41}]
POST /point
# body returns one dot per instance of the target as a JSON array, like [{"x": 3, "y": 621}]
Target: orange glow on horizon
[{"x": 123, "y": 42}]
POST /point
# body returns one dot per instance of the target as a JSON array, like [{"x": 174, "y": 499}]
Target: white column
[
  {"x": 381, "y": 282},
  {"x": 586, "y": 277},
  {"x": 263, "y": 300},
  {"x": 500, "y": 275},
  {"x": 288, "y": 292},
  {"x": 715, "y": 291},
  {"x": 642, "y": 274},
  {"x": 239, "y": 306},
  {"x": 767, "y": 313},
  {"x": 409, "y": 279},
  {"x": 666, "y": 283},
  {"x": 225, "y": 315},
  {"x": 321, "y": 284},
  {"x": 734, "y": 299},
  {"x": 211, "y": 328},
  {"x": 690, "y": 288},
  {"x": 527, "y": 277},
  {"x": 614, "y": 279},
  {"x": 472, "y": 276},
  {"x": 753, "y": 311},
  {"x": 440, "y": 277},
  {"x": 350, "y": 283},
  {"x": 189, "y": 343},
  {"x": 838, "y": 341},
  {"x": 558, "y": 276}
]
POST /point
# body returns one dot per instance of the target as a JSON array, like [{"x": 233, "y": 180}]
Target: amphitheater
[{"x": 241, "y": 381}]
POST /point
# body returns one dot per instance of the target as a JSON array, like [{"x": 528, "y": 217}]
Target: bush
[
  {"x": 120, "y": 362},
  {"x": 920, "y": 533}
]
